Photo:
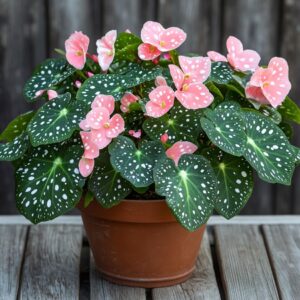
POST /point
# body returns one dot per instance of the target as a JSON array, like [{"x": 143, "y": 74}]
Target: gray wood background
[{"x": 31, "y": 29}]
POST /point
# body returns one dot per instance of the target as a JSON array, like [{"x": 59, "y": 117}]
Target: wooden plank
[
  {"x": 22, "y": 46},
  {"x": 244, "y": 265},
  {"x": 52, "y": 260},
  {"x": 127, "y": 14},
  {"x": 283, "y": 244},
  {"x": 12, "y": 245},
  {"x": 200, "y": 19},
  {"x": 202, "y": 284},
  {"x": 290, "y": 48},
  {"x": 104, "y": 290},
  {"x": 250, "y": 21}
]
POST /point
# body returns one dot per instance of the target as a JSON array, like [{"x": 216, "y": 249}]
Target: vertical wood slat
[
  {"x": 22, "y": 46},
  {"x": 52, "y": 263},
  {"x": 290, "y": 49},
  {"x": 104, "y": 290},
  {"x": 202, "y": 284},
  {"x": 12, "y": 241},
  {"x": 256, "y": 23},
  {"x": 283, "y": 243},
  {"x": 200, "y": 19},
  {"x": 244, "y": 265}
]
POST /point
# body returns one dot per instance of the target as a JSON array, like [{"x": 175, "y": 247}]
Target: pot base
[{"x": 146, "y": 283}]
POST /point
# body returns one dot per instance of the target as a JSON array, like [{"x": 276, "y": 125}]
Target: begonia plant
[{"x": 140, "y": 121}]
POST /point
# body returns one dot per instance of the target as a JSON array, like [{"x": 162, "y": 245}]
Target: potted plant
[{"x": 148, "y": 144}]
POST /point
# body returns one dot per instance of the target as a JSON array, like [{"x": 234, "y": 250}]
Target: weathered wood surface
[
  {"x": 202, "y": 285},
  {"x": 283, "y": 244},
  {"x": 31, "y": 29},
  {"x": 12, "y": 245},
  {"x": 51, "y": 264},
  {"x": 245, "y": 269}
]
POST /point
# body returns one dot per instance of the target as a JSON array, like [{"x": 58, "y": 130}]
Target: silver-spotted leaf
[
  {"x": 126, "y": 46},
  {"x": 15, "y": 149},
  {"x": 289, "y": 110},
  {"x": 56, "y": 120},
  {"x": 50, "y": 73},
  {"x": 234, "y": 181},
  {"x": 180, "y": 124},
  {"x": 16, "y": 127},
  {"x": 220, "y": 73},
  {"x": 225, "y": 127},
  {"x": 135, "y": 164},
  {"x": 107, "y": 185},
  {"x": 267, "y": 149},
  {"x": 48, "y": 182},
  {"x": 189, "y": 188}
]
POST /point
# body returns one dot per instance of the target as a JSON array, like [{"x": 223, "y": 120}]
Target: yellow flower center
[
  {"x": 187, "y": 76},
  {"x": 163, "y": 104},
  {"x": 162, "y": 43},
  {"x": 110, "y": 53},
  {"x": 185, "y": 87},
  {"x": 106, "y": 125},
  {"x": 79, "y": 52},
  {"x": 266, "y": 84}
]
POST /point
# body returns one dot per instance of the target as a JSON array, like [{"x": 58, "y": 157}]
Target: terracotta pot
[{"x": 140, "y": 243}]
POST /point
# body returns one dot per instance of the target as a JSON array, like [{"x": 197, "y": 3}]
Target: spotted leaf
[
  {"x": 226, "y": 128},
  {"x": 234, "y": 181},
  {"x": 180, "y": 125},
  {"x": 49, "y": 73},
  {"x": 126, "y": 46},
  {"x": 16, "y": 127},
  {"x": 271, "y": 113},
  {"x": 289, "y": 110},
  {"x": 48, "y": 182},
  {"x": 56, "y": 120},
  {"x": 15, "y": 149},
  {"x": 220, "y": 73},
  {"x": 135, "y": 165},
  {"x": 267, "y": 149},
  {"x": 297, "y": 152},
  {"x": 107, "y": 185},
  {"x": 189, "y": 188},
  {"x": 115, "y": 84}
]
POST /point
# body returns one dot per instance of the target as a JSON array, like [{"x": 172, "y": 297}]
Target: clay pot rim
[{"x": 131, "y": 211}]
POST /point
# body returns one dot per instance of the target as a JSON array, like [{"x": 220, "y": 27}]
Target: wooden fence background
[{"x": 31, "y": 29}]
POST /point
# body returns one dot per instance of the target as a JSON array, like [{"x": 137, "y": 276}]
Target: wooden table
[{"x": 245, "y": 258}]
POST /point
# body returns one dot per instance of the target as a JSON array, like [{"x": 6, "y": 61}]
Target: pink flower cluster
[{"x": 99, "y": 130}]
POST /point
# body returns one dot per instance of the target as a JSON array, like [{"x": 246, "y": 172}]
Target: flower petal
[
  {"x": 177, "y": 76},
  {"x": 105, "y": 101},
  {"x": 216, "y": 56},
  {"x": 99, "y": 138},
  {"x": 97, "y": 117},
  {"x": 148, "y": 52},
  {"x": 90, "y": 149},
  {"x": 160, "y": 80},
  {"x": 150, "y": 32},
  {"x": 126, "y": 100},
  {"x": 116, "y": 126},
  {"x": 180, "y": 148},
  {"x": 86, "y": 166},
  {"x": 171, "y": 39}
]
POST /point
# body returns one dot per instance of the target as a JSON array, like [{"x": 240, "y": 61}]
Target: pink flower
[
  {"x": 126, "y": 100},
  {"x": 76, "y": 49},
  {"x": 180, "y": 148},
  {"x": 270, "y": 85},
  {"x": 91, "y": 151},
  {"x": 90, "y": 74},
  {"x": 191, "y": 92},
  {"x": 156, "y": 39},
  {"x": 106, "y": 49},
  {"x": 164, "y": 138},
  {"x": 51, "y": 94},
  {"x": 160, "y": 80},
  {"x": 161, "y": 101},
  {"x": 86, "y": 166},
  {"x": 78, "y": 83},
  {"x": 238, "y": 58},
  {"x": 105, "y": 101},
  {"x": 136, "y": 134}
]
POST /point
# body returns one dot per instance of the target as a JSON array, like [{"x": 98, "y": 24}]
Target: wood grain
[
  {"x": 244, "y": 265},
  {"x": 51, "y": 265},
  {"x": 104, "y": 290},
  {"x": 283, "y": 243},
  {"x": 12, "y": 242},
  {"x": 202, "y": 285}
]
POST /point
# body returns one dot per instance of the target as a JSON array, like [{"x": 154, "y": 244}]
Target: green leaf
[
  {"x": 135, "y": 165},
  {"x": 214, "y": 89},
  {"x": 49, "y": 73},
  {"x": 297, "y": 152},
  {"x": 115, "y": 84},
  {"x": 225, "y": 127},
  {"x": 189, "y": 188},
  {"x": 271, "y": 113},
  {"x": 88, "y": 198},
  {"x": 107, "y": 185},
  {"x": 267, "y": 149},
  {"x": 221, "y": 73},
  {"x": 287, "y": 129},
  {"x": 234, "y": 181},
  {"x": 15, "y": 149},
  {"x": 180, "y": 124},
  {"x": 48, "y": 182},
  {"x": 56, "y": 120},
  {"x": 289, "y": 110},
  {"x": 16, "y": 127},
  {"x": 126, "y": 46}
]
